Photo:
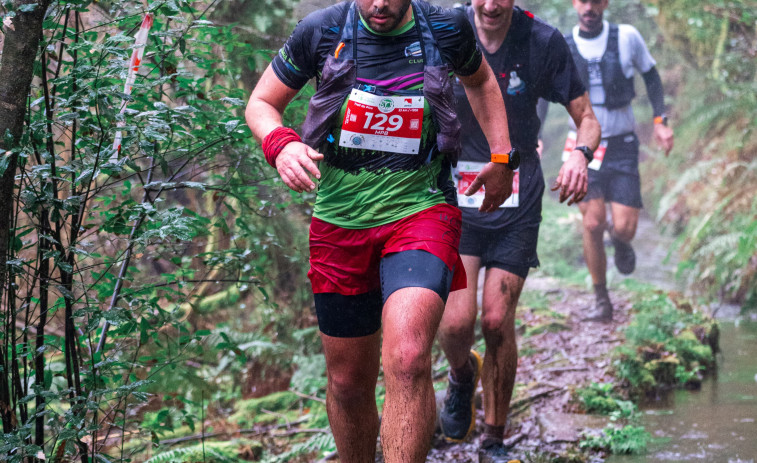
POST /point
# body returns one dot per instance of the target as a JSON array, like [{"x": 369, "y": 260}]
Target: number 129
[{"x": 395, "y": 122}]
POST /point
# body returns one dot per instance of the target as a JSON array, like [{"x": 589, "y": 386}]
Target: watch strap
[
  {"x": 586, "y": 151},
  {"x": 501, "y": 158}
]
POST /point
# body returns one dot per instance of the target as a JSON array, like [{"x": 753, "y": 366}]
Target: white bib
[
  {"x": 599, "y": 154},
  {"x": 383, "y": 123},
  {"x": 466, "y": 172}
]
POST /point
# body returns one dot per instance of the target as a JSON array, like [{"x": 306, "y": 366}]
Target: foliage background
[
  {"x": 704, "y": 192},
  {"x": 188, "y": 249}
]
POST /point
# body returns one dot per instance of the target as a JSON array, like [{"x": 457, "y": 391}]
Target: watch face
[{"x": 514, "y": 159}]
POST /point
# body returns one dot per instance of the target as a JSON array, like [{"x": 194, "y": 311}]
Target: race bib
[
  {"x": 383, "y": 123},
  {"x": 599, "y": 154},
  {"x": 466, "y": 172}
]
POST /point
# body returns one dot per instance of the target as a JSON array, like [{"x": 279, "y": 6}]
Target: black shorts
[
  {"x": 512, "y": 248},
  {"x": 344, "y": 316},
  {"x": 618, "y": 179}
]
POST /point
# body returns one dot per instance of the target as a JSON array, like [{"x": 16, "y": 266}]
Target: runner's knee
[
  {"x": 457, "y": 328},
  {"x": 350, "y": 386},
  {"x": 624, "y": 230},
  {"x": 406, "y": 362},
  {"x": 594, "y": 224},
  {"x": 497, "y": 325}
]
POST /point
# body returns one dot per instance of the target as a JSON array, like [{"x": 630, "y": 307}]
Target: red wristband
[{"x": 275, "y": 142}]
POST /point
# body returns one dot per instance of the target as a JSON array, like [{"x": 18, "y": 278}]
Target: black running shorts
[{"x": 618, "y": 179}]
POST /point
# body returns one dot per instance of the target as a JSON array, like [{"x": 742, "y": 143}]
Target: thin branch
[{"x": 253, "y": 431}]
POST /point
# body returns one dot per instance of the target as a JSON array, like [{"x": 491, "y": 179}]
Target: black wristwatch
[
  {"x": 588, "y": 152},
  {"x": 514, "y": 159}
]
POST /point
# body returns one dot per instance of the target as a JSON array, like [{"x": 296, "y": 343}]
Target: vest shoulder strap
[
  {"x": 612, "y": 38},
  {"x": 429, "y": 40},
  {"x": 346, "y": 7}
]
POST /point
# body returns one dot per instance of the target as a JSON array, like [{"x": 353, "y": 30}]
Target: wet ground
[
  {"x": 558, "y": 354},
  {"x": 717, "y": 423}
]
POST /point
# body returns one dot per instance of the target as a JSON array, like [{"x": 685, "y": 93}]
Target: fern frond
[
  {"x": 214, "y": 452},
  {"x": 693, "y": 174},
  {"x": 323, "y": 442}
]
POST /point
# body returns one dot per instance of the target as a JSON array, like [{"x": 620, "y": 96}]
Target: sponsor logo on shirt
[
  {"x": 516, "y": 86},
  {"x": 414, "y": 49},
  {"x": 595, "y": 72}
]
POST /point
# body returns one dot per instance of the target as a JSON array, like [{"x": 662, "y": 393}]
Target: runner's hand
[
  {"x": 573, "y": 178},
  {"x": 296, "y": 163},
  {"x": 498, "y": 180},
  {"x": 664, "y": 137}
]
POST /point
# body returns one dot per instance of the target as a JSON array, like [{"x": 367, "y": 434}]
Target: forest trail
[{"x": 559, "y": 353}]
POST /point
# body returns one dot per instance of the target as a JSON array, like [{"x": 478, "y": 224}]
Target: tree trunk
[{"x": 22, "y": 36}]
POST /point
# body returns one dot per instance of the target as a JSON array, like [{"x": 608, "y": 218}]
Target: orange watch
[
  {"x": 511, "y": 159},
  {"x": 661, "y": 119}
]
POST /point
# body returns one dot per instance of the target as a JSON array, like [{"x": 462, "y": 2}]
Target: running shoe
[
  {"x": 458, "y": 416},
  {"x": 496, "y": 453},
  {"x": 602, "y": 311},
  {"x": 625, "y": 257}
]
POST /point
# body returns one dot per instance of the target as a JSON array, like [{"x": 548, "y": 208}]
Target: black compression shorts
[{"x": 618, "y": 179}]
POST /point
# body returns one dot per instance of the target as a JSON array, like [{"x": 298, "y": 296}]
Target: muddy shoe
[
  {"x": 602, "y": 311},
  {"x": 496, "y": 453},
  {"x": 625, "y": 257},
  {"x": 458, "y": 416}
]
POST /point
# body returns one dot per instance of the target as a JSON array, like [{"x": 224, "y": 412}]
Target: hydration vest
[
  {"x": 619, "y": 89},
  {"x": 339, "y": 77}
]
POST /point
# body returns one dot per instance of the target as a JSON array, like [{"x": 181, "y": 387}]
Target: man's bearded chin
[{"x": 394, "y": 20}]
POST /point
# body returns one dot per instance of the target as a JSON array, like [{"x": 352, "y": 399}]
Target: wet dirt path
[{"x": 559, "y": 353}]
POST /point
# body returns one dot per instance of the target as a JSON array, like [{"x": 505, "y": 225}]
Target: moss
[
  {"x": 265, "y": 409},
  {"x": 664, "y": 369},
  {"x": 318, "y": 417},
  {"x": 549, "y": 327}
]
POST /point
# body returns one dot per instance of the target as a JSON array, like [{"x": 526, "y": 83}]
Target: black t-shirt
[
  {"x": 390, "y": 61},
  {"x": 534, "y": 61},
  {"x": 359, "y": 187}
]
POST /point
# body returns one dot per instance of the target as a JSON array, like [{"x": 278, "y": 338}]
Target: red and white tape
[{"x": 136, "y": 60}]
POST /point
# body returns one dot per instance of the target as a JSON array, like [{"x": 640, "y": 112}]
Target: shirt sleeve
[
  {"x": 302, "y": 56},
  {"x": 560, "y": 80},
  {"x": 458, "y": 43},
  {"x": 640, "y": 57}
]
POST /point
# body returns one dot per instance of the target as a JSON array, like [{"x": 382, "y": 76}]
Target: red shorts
[{"x": 346, "y": 261}]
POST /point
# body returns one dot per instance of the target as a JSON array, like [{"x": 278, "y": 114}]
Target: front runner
[
  {"x": 385, "y": 231},
  {"x": 530, "y": 60}
]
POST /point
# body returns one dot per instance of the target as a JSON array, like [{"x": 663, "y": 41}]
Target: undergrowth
[
  {"x": 668, "y": 344},
  {"x": 618, "y": 440}
]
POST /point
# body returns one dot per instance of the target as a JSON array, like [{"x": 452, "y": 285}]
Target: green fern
[
  {"x": 320, "y": 443},
  {"x": 215, "y": 452},
  {"x": 694, "y": 174}
]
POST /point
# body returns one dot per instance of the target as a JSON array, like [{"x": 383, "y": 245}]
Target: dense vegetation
[
  {"x": 129, "y": 270},
  {"x": 150, "y": 290},
  {"x": 704, "y": 192}
]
